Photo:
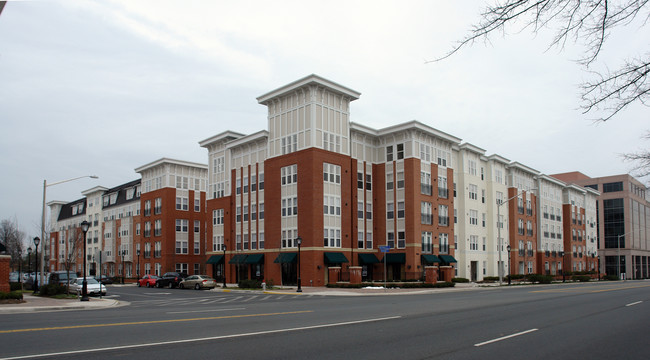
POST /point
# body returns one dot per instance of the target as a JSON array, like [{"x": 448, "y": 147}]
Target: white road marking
[
  {"x": 135, "y": 346},
  {"x": 634, "y": 303},
  {"x": 197, "y": 311},
  {"x": 505, "y": 337}
]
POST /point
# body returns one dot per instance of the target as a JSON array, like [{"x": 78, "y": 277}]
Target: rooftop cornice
[
  {"x": 312, "y": 79},
  {"x": 225, "y": 136},
  {"x": 163, "y": 161}
]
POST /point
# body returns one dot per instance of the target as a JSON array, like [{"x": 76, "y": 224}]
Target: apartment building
[{"x": 621, "y": 226}]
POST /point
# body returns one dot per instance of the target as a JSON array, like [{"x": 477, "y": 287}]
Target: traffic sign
[{"x": 384, "y": 249}]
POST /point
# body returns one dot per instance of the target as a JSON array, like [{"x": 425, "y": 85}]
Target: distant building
[{"x": 623, "y": 222}]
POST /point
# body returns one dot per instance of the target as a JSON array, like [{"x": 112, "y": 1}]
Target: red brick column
[
  {"x": 447, "y": 273},
  {"x": 430, "y": 274},
  {"x": 333, "y": 274},
  {"x": 4, "y": 273},
  {"x": 355, "y": 274}
]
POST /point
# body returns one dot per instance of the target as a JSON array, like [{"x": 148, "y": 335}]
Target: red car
[{"x": 148, "y": 281}]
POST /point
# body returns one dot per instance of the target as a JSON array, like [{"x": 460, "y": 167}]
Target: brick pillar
[
  {"x": 4, "y": 273},
  {"x": 355, "y": 274},
  {"x": 447, "y": 273},
  {"x": 430, "y": 274},
  {"x": 333, "y": 274}
]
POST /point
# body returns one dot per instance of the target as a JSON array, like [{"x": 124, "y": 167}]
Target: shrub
[
  {"x": 52, "y": 290},
  {"x": 250, "y": 284},
  {"x": 459, "y": 280},
  {"x": 14, "y": 295},
  {"x": 490, "y": 278},
  {"x": 517, "y": 276},
  {"x": 539, "y": 278},
  {"x": 13, "y": 286},
  {"x": 610, "y": 277},
  {"x": 581, "y": 278}
]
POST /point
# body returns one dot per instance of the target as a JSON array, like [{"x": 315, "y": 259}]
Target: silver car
[
  {"x": 197, "y": 282},
  {"x": 93, "y": 287}
]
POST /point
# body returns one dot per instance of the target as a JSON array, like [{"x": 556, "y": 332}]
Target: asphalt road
[{"x": 596, "y": 320}]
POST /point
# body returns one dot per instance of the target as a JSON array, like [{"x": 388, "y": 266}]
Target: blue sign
[{"x": 384, "y": 249}]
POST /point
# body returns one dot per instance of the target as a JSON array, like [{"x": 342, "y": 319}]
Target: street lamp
[
  {"x": 122, "y": 253},
  {"x": 508, "y": 248},
  {"x": 299, "y": 242},
  {"x": 29, "y": 263},
  {"x": 618, "y": 255},
  {"x": 499, "y": 224},
  {"x": 20, "y": 265},
  {"x": 36, "y": 242},
  {"x": 45, "y": 185},
  {"x": 138, "y": 269},
  {"x": 563, "y": 272},
  {"x": 84, "y": 287},
  {"x": 224, "y": 266}
]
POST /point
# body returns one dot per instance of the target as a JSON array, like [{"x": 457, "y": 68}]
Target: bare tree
[
  {"x": 73, "y": 243},
  {"x": 587, "y": 23},
  {"x": 12, "y": 239}
]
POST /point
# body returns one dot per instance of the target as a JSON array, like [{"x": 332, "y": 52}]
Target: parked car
[
  {"x": 148, "y": 281},
  {"x": 197, "y": 282},
  {"x": 93, "y": 287},
  {"x": 13, "y": 276},
  {"x": 170, "y": 279},
  {"x": 104, "y": 279},
  {"x": 60, "y": 277}
]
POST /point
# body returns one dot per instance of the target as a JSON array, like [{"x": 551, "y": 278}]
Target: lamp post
[
  {"x": 45, "y": 185},
  {"x": 508, "y": 248},
  {"x": 20, "y": 265},
  {"x": 299, "y": 242},
  {"x": 499, "y": 203},
  {"x": 137, "y": 271},
  {"x": 224, "y": 266},
  {"x": 122, "y": 253},
  {"x": 618, "y": 255},
  {"x": 37, "y": 241},
  {"x": 84, "y": 285},
  {"x": 29, "y": 263},
  {"x": 563, "y": 272}
]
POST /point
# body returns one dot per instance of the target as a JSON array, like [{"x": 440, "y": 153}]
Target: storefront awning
[
  {"x": 286, "y": 258},
  {"x": 255, "y": 259},
  {"x": 215, "y": 259},
  {"x": 335, "y": 258},
  {"x": 447, "y": 259},
  {"x": 368, "y": 259},
  {"x": 399, "y": 258},
  {"x": 430, "y": 259},
  {"x": 238, "y": 259}
]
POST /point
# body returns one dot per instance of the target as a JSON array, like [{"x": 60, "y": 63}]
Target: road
[{"x": 596, "y": 320}]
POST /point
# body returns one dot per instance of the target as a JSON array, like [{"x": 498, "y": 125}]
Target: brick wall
[{"x": 4, "y": 273}]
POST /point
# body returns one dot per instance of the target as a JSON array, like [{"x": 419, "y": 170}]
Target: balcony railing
[
  {"x": 443, "y": 192},
  {"x": 443, "y": 220}
]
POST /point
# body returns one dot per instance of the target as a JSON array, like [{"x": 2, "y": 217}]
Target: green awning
[
  {"x": 335, "y": 258},
  {"x": 286, "y": 258},
  {"x": 215, "y": 259},
  {"x": 448, "y": 259},
  {"x": 430, "y": 259},
  {"x": 255, "y": 259},
  {"x": 368, "y": 259},
  {"x": 398, "y": 258},
  {"x": 238, "y": 259}
]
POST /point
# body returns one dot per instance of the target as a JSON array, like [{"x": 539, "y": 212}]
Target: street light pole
[
  {"x": 138, "y": 269},
  {"x": 299, "y": 241},
  {"x": 45, "y": 185},
  {"x": 29, "y": 264},
  {"x": 224, "y": 266},
  {"x": 84, "y": 285},
  {"x": 36, "y": 242},
  {"x": 508, "y": 248},
  {"x": 618, "y": 255},
  {"x": 122, "y": 253},
  {"x": 20, "y": 268}
]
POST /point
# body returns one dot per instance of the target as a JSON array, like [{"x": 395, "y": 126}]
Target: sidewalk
[{"x": 42, "y": 304}]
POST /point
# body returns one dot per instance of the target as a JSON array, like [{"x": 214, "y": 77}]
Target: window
[
  {"x": 613, "y": 186},
  {"x": 473, "y": 217},
  {"x": 360, "y": 180},
  {"x": 331, "y": 237},
  {"x": 368, "y": 240},
  {"x": 288, "y": 237},
  {"x": 197, "y": 202},
  {"x": 473, "y": 192},
  {"x": 157, "y": 206},
  {"x": 389, "y": 181},
  {"x": 147, "y": 249},
  {"x": 368, "y": 211},
  {"x": 182, "y": 203},
  {"x": 400, "y": 210},
  {"x": 245, "y": 212},
  {"x": 390, "y": 240},
  {"x": 147, "y": 207},
  {"x": 425, "y": 183},
  {"x": 157, "y": 249},
  {"x": 400, "y": 180},
  {"x": 157, "y": 228},
  {"x": 238, "y": 214},
  {"x": 443, "y": 215},
  {"x": 253, "y": 183},
  {"x": 289, "y": 175},
  {"x": 360, "y": 240},
  {"x": 261, "y": 211},
  {"x": 427, "y": 245},
  {"x": 289, "y": 144},
  {"x": 331, "y": 173},
  {"x": 331, "y": 205},
  {"x": 471, "y": 165},
  {"x": 443, "y": 244},
  {"x": 425, "y": 213},
  {"x": 261, "y": 242},
  {"x": 245, "y": 184},
  {"x": 147, "y": 229},
  {"x": 473, "y": 242},
  {"x": 483, "y": 220},
  {"x": 443, "y": 191},
  {"x": 368, "y": 182},
  {"x": 425, "y": 153},
  {"x": 331, "y": 142},
  {"x": 181, "y": 225},
  {"x": 360, "y": 210},
  {"x": 253, "y": 212},
  {"x": 290, "y": 206},
  {"x": 217, "y": 217},
  {"x": 261, "y": 181},
  {"x": 389, "y": 153},
  {"x": 390, "y": 211},
  {"x": 181, "y": 268},
  {"x": 400, "y": 151},
  {"x": 442, "y": 157},
  {"x": 197, "y": 237},
  {"x": 401, "y": 239}
]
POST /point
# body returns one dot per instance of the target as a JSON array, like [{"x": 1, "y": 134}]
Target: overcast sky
[{"x": 103, "y": 87}]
